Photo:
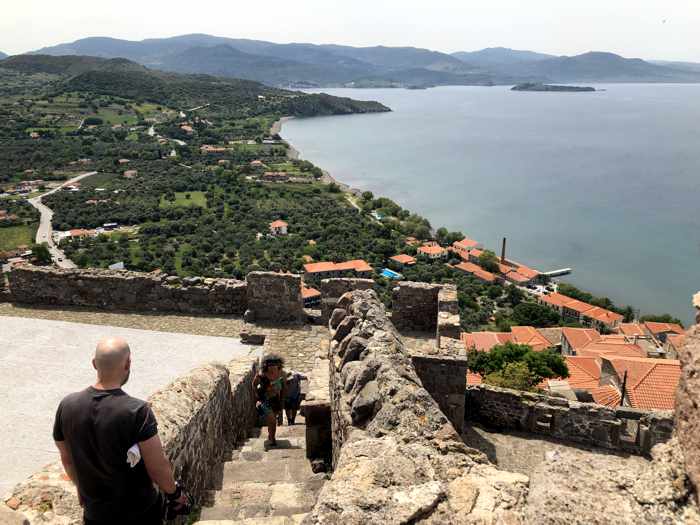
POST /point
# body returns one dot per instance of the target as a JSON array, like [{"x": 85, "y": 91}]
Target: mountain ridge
[{"x": 319, "y": 65}]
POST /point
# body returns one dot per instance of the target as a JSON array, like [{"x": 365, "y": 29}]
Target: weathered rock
[
  {"x": 344, "y": 328},
  {"x": 366, "y": 403},
  {"x": 11, "y": 517},
  {"x": 688, "y": 406},
  {"x": 337, "y": 316},
  {"x": 332, "y": 289}
]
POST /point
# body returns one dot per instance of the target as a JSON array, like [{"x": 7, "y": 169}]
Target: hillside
[
  {"x": 124, "y": 78},
  {"x": 3, "y": 55},
  {"x": 498, "y": 57}
]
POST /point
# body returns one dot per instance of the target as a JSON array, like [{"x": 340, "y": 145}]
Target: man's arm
[
  {"x": 67, "y": 461},
  {"x": 157, "y": 465}
]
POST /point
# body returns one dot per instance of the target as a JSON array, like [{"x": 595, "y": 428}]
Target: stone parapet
[
  {"x": 623, "y": 428},
  {"x": 332, "y": 289},
  {"x": 397, "y": 457},
  {"x": 274, "y": 297},
  {"x": 316, "y": 409},
  {"x": 445, "y": 379},
  {"x": 415, "y": 306},
  {"x": 125, "y": 290},
  {"x": 687, "y": 401},
  {"x": 200, "y": 416}
]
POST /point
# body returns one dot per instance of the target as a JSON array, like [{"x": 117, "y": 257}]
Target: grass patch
[
  {"x": 196, "y": 198},
  {"x": 14, "y": 236}
]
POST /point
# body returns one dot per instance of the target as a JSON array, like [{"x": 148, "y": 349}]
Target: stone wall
[
  {"x": 397, "y": 457},
  {"x": 124, "y": 290},
  {"x": 445, "y": 379},
  {"x": 200, "y": 416},
  {"x": 687, "y": 401},
  {"x": 621, "y": 428},
  {"x": 414, "y": 306},
  {"x": 332, "y": 289},
  {"x": 448, "y": 322},
  {"x": 274, "y": 297}
]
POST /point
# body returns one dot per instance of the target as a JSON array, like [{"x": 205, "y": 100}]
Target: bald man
[{"x": 94, "y": 429}]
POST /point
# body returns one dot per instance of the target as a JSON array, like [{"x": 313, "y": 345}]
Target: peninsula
[{"x": 536, "y": 86}]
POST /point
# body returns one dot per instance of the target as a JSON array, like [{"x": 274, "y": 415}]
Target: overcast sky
[{"x": 651, "y": 29}]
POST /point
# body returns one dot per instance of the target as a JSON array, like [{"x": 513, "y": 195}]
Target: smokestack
[{"x": 503, "y": 252}]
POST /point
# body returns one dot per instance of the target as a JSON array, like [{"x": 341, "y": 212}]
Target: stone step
[
  {"x": 256, "y": 499},
  {"x": 273, "y": 470},
  {"x": 268, "y": 520}
]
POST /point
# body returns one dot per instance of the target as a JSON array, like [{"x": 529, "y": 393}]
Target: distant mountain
[
  {"x": 309, "y": 65},
  {"x": 67, "y": 65},
  {"x": 499, "y": 57},
  {"x": 685, "y": 66},
  {"x": 3, "y": 55}
]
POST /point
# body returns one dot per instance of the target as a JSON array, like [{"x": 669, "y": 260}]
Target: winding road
[{"x": 45, "y": 231}]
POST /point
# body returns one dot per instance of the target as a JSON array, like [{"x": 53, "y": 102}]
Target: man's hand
[{"x": 157, "y": 465}]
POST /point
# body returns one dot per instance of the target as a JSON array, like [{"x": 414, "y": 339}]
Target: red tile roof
[
  {"x": 465, "y": 244},
  {"x": 579, "y": 337},
  {"x": 517, "y": 277},
  {"x": 473, "y": 379},
  {"x": 606, "y": 395},
  {"x": 651, "y": 383},
  {"x": 584, "y": 372},
  {"x": 611, "y": 349},
  {"x": 676, "y": 340},
  {"x": 484, "y": 341},
  {"x": 278, "y": 224},
  {"x": 476, "y": 271},
  {"x": 594, "y": 312},
  {"x": 357, "y": 265},
  {"x": 632, "y": 329},
  {"x": 660, "y": 328},
  {"x": 402, "y": 258},
  {"x": 528, "y": 335},
  {"x": 527, "y": 272},
  {"x": 432, "y": 250},
  {"x": 307, "y": 293}
]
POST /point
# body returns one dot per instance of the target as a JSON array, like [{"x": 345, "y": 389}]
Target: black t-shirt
[{"x": 99, "y": 427}]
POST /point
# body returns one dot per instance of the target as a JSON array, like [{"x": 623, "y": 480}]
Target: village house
[
  {"x": 278, "y": 227},
  {"x": 578, "y": 311},
  {"x": 325, "y": 270},
  {"x": 187, "y": 129},
  {"x": 275, "y": 176},
  {"x": 650, "y": 384},
  {"x": 258, "y": 165},
  {"x": 123, "y": 161},
  {"x": 660, "y": 331},
  {"x": 310, "y": 296},
  {"x": 432, "y": 251},
  {"x": 209, "y": 149},
  {"x": 403, "y": 260},
  {"x": 476, "y": 271},
  {"x": 130, "y": 174},
  {"x": 673, "y": 345},
  {"x": 522, "y": 335},
  {"x": 463, "y": 247}
]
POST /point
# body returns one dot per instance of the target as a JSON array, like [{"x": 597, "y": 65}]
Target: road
[{"x": 44, "y": 233}]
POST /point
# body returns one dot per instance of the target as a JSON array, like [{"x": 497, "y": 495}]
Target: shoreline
[{"x": 295, "y": 154}]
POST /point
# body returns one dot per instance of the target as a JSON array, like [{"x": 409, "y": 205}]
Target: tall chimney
[{"x": 503, "y": 252}]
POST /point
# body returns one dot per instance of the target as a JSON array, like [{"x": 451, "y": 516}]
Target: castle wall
[
  {"x": 397, "y": 457},
  {"x": 124, "y": 290},
  {"x": 274, "y": 297},
  {"x": 414, "y": 306},
  {"x": 445, "y": 379},
  {"x": 200, "y": 416},
  {"x": 332, "y": 289},
  {"x": 448, "y": 322},
  {"x": 622, "y": 428}
]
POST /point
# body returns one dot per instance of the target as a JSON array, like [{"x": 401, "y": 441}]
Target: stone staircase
[{"x": 263, "y": 485}]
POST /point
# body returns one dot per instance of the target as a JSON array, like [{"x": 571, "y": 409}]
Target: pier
[{"x": 558, "y": 273}]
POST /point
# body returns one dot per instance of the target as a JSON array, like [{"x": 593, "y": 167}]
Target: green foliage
[
  {"x": 540, "y": 365},
  {"x": 488, "y": 261},
  {"x": 514, "y": 375},
  {"x": 663, "y": 318},
  {"x": 41, "y": 253},
  {"x": 533, "y": 314}
]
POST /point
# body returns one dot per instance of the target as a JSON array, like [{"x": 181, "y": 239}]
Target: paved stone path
[
  {"x": 42, "y": 360},
  {"x": 266, "y": 486}
]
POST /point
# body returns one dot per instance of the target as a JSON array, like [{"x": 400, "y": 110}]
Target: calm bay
[{"x": 606, "y": 183}]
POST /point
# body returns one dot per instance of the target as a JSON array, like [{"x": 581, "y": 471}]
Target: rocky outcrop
[
  {"x": 622, "y": 428},
  {"x": 688, "y": 405},
  {"x": 274, "y": 297},
  {"x": 200, "y": 416},
  {"x": 124, "y": 290},
  {"x": 397, "y": 457}
]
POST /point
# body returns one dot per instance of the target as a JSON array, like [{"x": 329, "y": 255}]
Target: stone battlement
[{"x": 621, "y": 428}]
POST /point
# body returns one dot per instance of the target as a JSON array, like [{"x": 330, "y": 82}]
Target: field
[
  {"x": 14, "y": 236},
  {"x": 196, "y": 198}
]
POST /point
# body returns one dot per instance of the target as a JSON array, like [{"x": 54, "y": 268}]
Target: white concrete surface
[{"x": 42, "y": 361}]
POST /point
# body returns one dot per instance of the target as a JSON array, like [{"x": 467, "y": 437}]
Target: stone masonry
[
  {"x": 687, "y": 401},
  {"x": 445, "y": 379},
  {"x": 623, "y": 428},
  {"x": 274, "y": 297},
  {"x": 124, "y": 290},
  {"x": 200, "y": 416},
  {"x": 448, "y": 322},
  {"x": 397, "y": 457},
  {"x": 415, "y": 306},
  {"x": 332, "y": 289}
]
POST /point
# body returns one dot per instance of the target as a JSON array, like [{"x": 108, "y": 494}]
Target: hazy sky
[{"x": 661, "y": 29}]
